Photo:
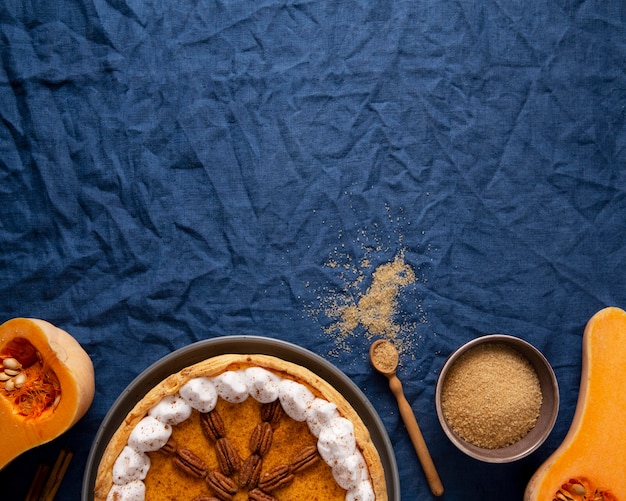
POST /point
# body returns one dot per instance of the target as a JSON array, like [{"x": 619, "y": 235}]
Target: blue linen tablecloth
[{"x": 178, "y": 171}]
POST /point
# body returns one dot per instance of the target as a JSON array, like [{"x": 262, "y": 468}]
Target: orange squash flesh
[
  {"x": 592, "y": 457},
  {"x": 58, "y": 389}
]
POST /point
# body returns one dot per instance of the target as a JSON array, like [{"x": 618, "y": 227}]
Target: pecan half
[
  {"x": 277, "y": 477},
  {"x": 223, "y": 487},
  {"x": 261, "y": 438},
  {"x": 259, "y": 495},
  {"x": 191, "y": 464},
  {"x": 170, "y": 447},
  {"x": 250, "y": 472},
  {"x": 303, "y": 459},
  {"x": 227, "y": 456},
  {"x": 212, "y": 425},
  {"x": 272, "y": 412}
]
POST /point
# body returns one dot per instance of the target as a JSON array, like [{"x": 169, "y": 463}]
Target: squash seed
[
  {"x": 577, "y": 489},
  {"x": 11, "y": 363},
  {"x": 20, "y": 380}
]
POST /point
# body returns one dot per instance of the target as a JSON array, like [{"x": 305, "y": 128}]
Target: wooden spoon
[{"x": 384, "y": 358}]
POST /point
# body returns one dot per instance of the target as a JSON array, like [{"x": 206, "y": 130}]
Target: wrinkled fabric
[{"x": 178, "y": 171}]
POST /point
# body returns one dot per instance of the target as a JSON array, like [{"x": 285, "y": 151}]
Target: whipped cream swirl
[{"x": 336, "y": 441}]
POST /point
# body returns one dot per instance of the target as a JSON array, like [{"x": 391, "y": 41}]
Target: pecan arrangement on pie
[{"x": 241, "y": 427}]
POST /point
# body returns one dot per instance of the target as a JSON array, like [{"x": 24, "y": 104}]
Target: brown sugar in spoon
[{"x": 384, "y": 358}]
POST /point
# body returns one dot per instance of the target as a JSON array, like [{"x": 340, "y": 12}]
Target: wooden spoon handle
[{"x": 432, "y": 477}]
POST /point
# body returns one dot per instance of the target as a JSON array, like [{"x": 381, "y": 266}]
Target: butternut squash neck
[{"x": 591, "y": 457}]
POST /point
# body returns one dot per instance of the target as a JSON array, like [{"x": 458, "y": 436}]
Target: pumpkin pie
[{"x": 241, "y": 427}]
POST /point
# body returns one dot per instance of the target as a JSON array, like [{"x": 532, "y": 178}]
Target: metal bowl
[{"x": 547, "y": 414}]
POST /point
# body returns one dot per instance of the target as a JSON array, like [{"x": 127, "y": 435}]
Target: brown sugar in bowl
[{"x": 497, "y": 398}]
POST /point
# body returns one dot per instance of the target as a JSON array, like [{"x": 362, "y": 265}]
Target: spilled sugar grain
[
  {"x": 375, "y": 311},
  {"x": 362, "y": 299}
]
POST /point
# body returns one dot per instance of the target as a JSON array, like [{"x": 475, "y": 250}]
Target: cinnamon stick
[
  {"x": 56, "y": 476},
  {"x": 38, "y": 482}
]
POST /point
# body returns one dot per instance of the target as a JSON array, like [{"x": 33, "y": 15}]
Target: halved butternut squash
[
  {"x": 46, "y": 384},
  {"x": 590, "y": 464}
]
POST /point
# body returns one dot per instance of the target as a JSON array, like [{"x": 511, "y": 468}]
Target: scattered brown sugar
[
  {"x": 369, "y": 291},
  {"x": 376, "y": 309},
  {"x": 491, "y": 396}
]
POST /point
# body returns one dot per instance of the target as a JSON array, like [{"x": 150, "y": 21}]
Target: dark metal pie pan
[{"x": 202, "y": 350}]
